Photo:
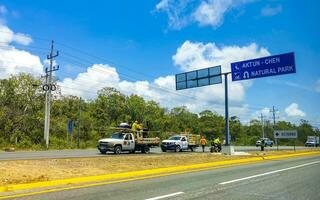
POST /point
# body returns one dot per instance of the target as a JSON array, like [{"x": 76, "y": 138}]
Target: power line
[
  {"x": 258, "y": 107},
  {"x": 75, "y": 59},
  {"x": 128, "y": 77}
]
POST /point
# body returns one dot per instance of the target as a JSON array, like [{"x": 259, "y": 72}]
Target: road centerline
[
  {"x": 267, "y": 173},
  {"x": 166, "y": 196}
]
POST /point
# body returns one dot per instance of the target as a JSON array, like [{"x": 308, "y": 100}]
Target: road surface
[
  {"x": 76, "y": 153},
  {"x": 297, "y": 178}
]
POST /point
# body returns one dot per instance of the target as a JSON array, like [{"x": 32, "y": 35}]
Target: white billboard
[{"x": 285, "y": 134}]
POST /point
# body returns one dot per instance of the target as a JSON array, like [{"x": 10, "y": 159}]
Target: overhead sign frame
[{"x": 199, "y": 78}]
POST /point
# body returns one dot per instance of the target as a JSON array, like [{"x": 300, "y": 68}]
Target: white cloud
[
  {"x": 318, "y": 86},
  {"x": 14, "y": 61},
  {"x": 22, "y": 39},
  {"x": 211, "y": 12},
  {"x": 196, "y": 55},
  {"x": 265, "y": 111},
  {"x": 87, "y": 84},
  {"x": 7, "y": 36},
  {"x": 177, "y": 11},
  {"x": 163, "y": 4},
  {"x": 268, "y": 11},
  {"x": 205, "y": 13},
  {"x": 3, "y": 10},
  {"x": 293, "y": 111}
]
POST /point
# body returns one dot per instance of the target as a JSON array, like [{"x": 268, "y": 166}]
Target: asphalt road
[
  {"x": 297, "y": 178},
  {"x": 76, "y": 153}
]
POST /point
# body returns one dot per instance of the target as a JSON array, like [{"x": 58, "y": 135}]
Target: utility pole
[
  {"x": 274, "y": 123},
  {"x": 262, "y": 124},
  {"x": 79, "y": 123},
  {"x": 48, "y": 87},
  {"x": 274, "y": 116}
]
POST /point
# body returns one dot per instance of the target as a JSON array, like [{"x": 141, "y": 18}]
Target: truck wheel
[
  {"x": 163, "y": 150},
  {"x": 145, "y": 149},
  {"x": 191, "y": 148},
  {"x": 177, "y": 149},
  {"x": 103, "y": 152},
  {"x": 117, "y": 150}
]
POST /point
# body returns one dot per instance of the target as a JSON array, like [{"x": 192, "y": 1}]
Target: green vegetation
[{"x": 22, "y": 118}]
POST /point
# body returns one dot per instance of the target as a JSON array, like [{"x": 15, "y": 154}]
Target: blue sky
[{"x": 135, "y": 47}]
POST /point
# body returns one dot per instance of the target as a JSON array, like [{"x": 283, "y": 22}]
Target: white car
[{"x": 267, "y": 142}]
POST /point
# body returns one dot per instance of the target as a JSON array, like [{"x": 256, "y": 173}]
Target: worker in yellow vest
[{"x": 135, "y": 126}]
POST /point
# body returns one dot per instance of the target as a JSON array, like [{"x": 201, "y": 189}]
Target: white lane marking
[
  {"x": 267, "y": 173},
  {"x": 165, "y": 196}
]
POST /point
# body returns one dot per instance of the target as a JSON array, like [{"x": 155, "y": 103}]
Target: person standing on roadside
[
  {"x": 262, "y": 145},
  {"x": 203, "y": 143}
]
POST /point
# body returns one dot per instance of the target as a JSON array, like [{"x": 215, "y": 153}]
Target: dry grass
[{"x": 26, "y": 171}]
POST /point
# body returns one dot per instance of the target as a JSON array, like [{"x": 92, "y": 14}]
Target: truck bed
[
  {"x": 193, "y": 139},
  {"x": 148, "y": 141}
]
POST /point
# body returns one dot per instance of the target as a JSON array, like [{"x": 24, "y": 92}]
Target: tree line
[{"x": 22, "y": 118}]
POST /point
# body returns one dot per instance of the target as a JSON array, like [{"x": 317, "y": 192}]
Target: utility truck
[
  {"x": 182, "y": 142},
  {"x": 312, "y": 141},
  {"x": 126, "y": 140}
]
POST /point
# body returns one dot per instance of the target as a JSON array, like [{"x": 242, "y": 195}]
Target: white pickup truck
[
  {"x": 312, "y": 141},
  {"x": 127, "y": 141},
  {"x": 181, "y": 142}
]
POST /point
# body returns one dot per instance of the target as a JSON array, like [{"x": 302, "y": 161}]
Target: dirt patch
[{"x": 26, "y": 171}]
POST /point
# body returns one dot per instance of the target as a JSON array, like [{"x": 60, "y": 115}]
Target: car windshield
[
  {"x": 175, "y": 138},
  {"x": 117, "y": 136}
]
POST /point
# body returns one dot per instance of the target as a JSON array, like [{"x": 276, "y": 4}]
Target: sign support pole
[
  {"x": 67, "y": 136},
  {"x": 226, "y": 127}
]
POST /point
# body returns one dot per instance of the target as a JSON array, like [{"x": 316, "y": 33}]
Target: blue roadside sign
[
  {"x": 262, "y": 67},
  {"x": 70, "y": 126}
]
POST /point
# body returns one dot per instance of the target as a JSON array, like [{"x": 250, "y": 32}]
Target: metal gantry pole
[{"x": 226, "y": 127}]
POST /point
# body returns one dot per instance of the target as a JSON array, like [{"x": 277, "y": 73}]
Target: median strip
[{"x": 145, "y": 173}]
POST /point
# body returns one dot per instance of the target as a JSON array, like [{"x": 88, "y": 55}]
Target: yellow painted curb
[{"x": 166, "y": 170}]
